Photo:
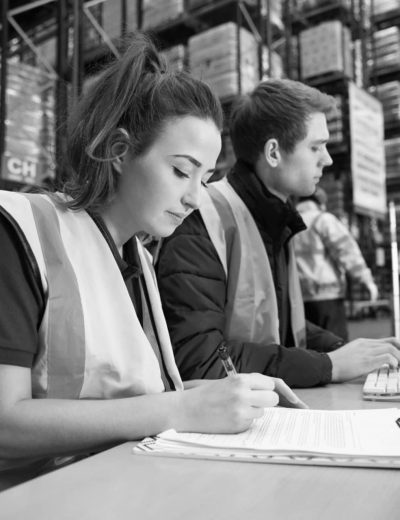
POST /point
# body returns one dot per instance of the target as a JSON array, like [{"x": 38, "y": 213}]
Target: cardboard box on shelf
[
  {"x": 214, "y": 57},
  {"x": 325, "y": 48},
  {"x": 175, "y": 56},
  {"x": 156, "y": 13}
]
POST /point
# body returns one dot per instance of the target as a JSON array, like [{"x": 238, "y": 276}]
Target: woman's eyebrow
[{"x": 194, "y": 161}]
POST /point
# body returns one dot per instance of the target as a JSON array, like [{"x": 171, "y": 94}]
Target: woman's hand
[{"x": 229, "y": 405}]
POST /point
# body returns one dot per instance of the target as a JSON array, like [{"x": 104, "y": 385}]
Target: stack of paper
[{"x": 283, "y": 435}]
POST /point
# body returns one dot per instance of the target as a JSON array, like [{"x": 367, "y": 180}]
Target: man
[
  {"x": 326, "y": 252},
  {"x": 228, "y": 273}
]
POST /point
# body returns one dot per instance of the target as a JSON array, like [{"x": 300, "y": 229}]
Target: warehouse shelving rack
[
  {"x": 254, "y": 16},
  {"x": 25, "y": 25},
  {"x": 379, "y": 76},
  {"x": 356, "y": 16}
]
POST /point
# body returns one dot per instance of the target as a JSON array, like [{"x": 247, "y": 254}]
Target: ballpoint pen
[{"x": 226, "y": 359}]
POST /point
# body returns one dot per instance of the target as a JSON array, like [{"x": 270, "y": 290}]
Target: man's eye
[{"x": 204, "y": 183}]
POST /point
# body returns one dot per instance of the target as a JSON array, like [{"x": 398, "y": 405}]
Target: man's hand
[{"x": 362, "y": 356}]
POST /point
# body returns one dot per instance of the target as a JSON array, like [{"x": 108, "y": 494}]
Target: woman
[{"x": 85, "y": 356}]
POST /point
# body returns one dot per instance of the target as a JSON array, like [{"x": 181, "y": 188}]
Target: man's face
[{"x": 298, "y": 172}]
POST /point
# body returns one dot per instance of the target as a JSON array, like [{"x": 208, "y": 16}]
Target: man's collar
[{"x": 270, "y": 212}]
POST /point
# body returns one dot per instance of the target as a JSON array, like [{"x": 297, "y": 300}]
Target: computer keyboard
[{"x": 383, "y": 384}]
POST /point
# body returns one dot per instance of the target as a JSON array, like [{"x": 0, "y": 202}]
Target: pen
[{"x": 226, "y": 359}]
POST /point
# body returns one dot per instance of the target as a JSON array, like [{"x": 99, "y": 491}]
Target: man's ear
[{"x": 271, "y": 152}]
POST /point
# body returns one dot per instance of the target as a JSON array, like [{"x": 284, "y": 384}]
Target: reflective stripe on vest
[
  {"x": 251, "y": 309},
  {"x": 91, "y": 342}
]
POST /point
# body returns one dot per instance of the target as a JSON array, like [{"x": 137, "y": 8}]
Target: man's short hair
[{"x": 276, "y": 108}]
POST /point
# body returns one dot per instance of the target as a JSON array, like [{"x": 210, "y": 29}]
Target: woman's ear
[
  {"x": 271, "y": 152},
  {"x": 120, "y": 148},
  {"x": 117, "y": 164}
]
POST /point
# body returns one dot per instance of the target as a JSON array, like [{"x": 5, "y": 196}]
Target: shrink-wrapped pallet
[
  {"x": 29, "y": 144},
  {"x": 214, "y": 57},
  {"x": 389, "y": 95},
  {"x": 156, "y": 13},
  {"x": 392, "y": 157},
  {"x": 175, "y": 56},
  {"x": 324, "y": 49}
]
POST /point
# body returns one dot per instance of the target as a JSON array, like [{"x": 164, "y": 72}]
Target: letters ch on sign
[{"x": 20, "y": 168}]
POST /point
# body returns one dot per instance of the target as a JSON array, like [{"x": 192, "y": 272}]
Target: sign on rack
[{"x": 367, "y": 153}]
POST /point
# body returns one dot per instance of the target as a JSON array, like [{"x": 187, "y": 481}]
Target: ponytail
[{"x": 123, "y": 112}]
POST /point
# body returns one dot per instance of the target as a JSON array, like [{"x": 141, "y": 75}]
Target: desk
[{"x": 118, "y": 485}]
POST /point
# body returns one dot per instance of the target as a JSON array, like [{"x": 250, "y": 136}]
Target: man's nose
[{"x": 327, "y": 159}]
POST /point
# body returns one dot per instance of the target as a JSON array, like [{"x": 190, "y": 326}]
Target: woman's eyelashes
[{"x": 179, "y": 173}]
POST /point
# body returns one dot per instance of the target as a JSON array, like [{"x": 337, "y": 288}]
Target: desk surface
[{"x": 117, "y": 484}]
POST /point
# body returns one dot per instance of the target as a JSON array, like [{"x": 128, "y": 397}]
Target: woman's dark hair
[
  {"x": 124, "y": 110},
  {"x": 277, "y": 108}
]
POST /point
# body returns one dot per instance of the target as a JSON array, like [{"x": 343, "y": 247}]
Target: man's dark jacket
[{"x": 193, "y": 286}]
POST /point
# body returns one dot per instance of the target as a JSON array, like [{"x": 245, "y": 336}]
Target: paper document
[{"x": 288, "y": 431}]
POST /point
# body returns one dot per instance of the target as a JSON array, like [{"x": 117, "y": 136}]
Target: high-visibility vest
[
  {"x": 92, "y": 344},
  {"x": 251, "y": 308}
]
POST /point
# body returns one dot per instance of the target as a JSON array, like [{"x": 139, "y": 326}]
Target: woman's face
[{"x": 160, "y": 188}]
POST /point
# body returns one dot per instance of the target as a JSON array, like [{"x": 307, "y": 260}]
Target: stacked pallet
[
  {"x": 392, "y": 157},
  {"x": 325, "y": 48},
  {"x": 175, "y": 56},
  {"x": 389, "y": 95},
  {"x": 29, "y": 146},
  {"x": 335, "y": 122},
  {"x": 383, "y": 6},
  {"x": 214, "y": 57},
  {"x": 386, "y": 49},
  {"x": 156, "y": 13}
]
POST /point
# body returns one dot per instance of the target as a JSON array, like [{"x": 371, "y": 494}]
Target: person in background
[
  {"x": 326, "y": 252},
  {"x": 85, "y": 356},
  {"x": 228, "y": 273}
]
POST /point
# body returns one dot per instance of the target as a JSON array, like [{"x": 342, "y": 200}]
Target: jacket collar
[{"x": 277, "y": 218}]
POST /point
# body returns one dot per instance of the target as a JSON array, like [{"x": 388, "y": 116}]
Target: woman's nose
[{"x": 192, "y": 197}]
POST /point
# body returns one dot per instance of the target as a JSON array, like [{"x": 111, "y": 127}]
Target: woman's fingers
[
  {"x": 257, "y": 381},
  {"x": 260, "y": 385},
  {"x": 263, "y": 398},
  {"x": 288, "y": 395}
]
